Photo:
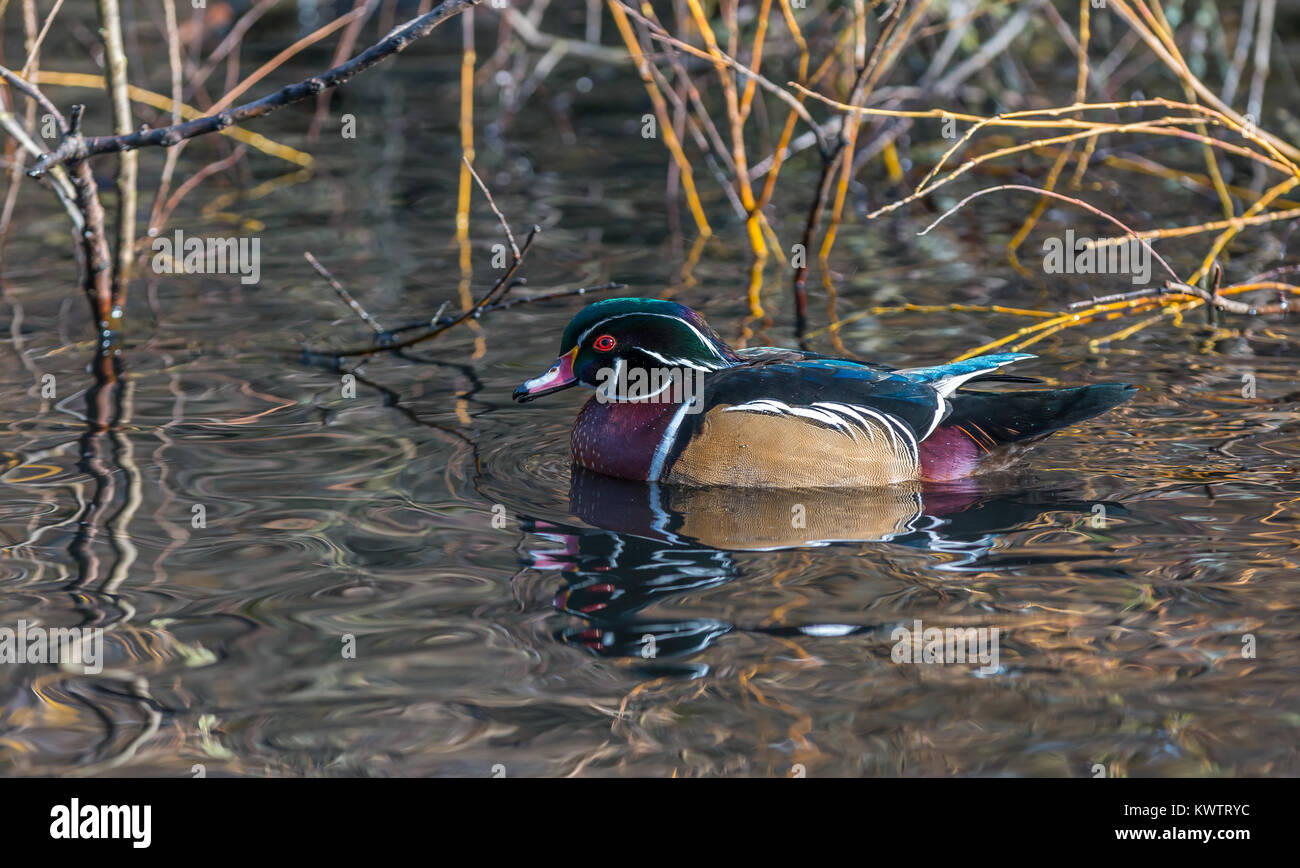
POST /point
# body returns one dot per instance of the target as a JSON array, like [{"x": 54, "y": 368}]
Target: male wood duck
[{"x": 675, "y": 404}]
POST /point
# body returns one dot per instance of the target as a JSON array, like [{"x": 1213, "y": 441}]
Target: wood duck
[{"x": 675, "y": 404}]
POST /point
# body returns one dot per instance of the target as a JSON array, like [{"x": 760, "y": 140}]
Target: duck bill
[{"x": 559, "y": 376}]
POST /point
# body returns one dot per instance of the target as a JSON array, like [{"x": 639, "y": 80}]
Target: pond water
[{"x": 1140, "y": 568}]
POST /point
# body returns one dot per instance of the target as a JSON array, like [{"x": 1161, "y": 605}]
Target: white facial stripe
[
  {"x": 668, "y": 381},
  {"x": 675, "y": 363},
  {"x": 703, "y": 340},
  {"x": 611, "y": 387}
]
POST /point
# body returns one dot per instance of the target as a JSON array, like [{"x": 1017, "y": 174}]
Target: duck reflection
[{"x": 650, "y": 541}]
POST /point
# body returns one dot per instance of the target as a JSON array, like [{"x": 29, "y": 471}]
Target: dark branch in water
[
  {"x": 494, "y": 299},
  {"x": 437, "y": 324},
  {"x": 76, "y": 147},
  {"x": 438, "y": 319},
  {"x": 503, "y": 285}
]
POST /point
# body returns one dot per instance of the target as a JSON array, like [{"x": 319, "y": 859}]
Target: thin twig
[
  {"x": 16, "y": 171},
  {"x": 110, "y": 28},
  {"x": 1063, "y": 198},
  {"x": 658, "y": 33},
  {"x": 165, "y": 213},
  {"x": 233, "y": 39},
  {"x": 40, "y": 38},
  {"x": 345, "y": 295},
  {"x": 59, "y": 179},
  {"x": 173, "y": 154},
  {"x": 1114, "y": 296},
  {"x": 514, "y": 248},
  {"x": 550, "y": 296},
  {"x": 32, "y": 92}
]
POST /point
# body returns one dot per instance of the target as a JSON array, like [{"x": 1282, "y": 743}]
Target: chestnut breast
[{"x": 620, "y": 438}]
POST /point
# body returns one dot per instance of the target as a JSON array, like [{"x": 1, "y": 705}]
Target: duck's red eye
[{"x": 604, "y": 343}]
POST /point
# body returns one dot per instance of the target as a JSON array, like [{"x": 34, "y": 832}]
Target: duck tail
[{"x": 997, "y": 425}]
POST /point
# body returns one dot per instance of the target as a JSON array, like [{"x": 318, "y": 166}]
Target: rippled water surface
[{"x": 502, "y": 605}]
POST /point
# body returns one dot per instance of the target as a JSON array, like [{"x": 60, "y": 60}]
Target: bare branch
[
  {"x": 80, "y": 148},
  {"x": 495, "y": 294},
  {"x": 344, "y": 294},
  {"x": 514, "y": 248}
]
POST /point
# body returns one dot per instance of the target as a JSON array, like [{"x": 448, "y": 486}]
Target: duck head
[{"x": 626, "y": 334}]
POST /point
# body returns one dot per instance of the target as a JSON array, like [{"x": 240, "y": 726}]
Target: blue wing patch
[{"x": 946, "y": 378}]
